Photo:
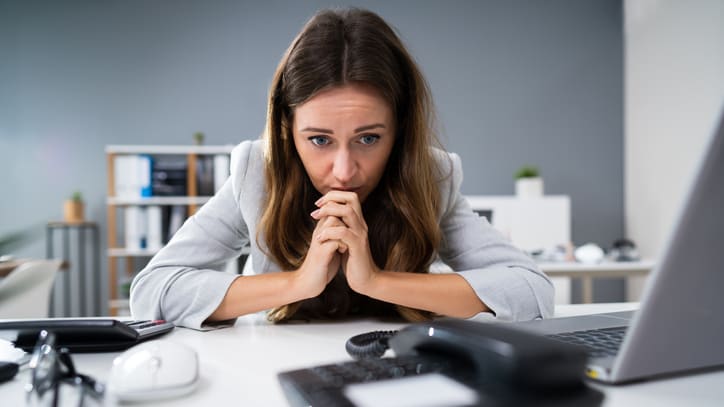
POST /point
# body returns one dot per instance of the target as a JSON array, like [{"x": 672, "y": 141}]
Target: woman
[{"x": 345, "y": 202}]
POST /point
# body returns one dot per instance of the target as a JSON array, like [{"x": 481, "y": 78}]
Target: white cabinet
[{"x": 536, "y": 223}]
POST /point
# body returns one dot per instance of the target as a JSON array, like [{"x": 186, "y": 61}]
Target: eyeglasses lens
[{"x": 49, "y": 369}]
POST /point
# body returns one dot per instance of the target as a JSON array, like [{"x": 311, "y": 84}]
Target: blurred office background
[{"x": 613, "y": 100}]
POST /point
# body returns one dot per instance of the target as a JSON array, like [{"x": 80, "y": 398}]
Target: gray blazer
[{"x": 184, "y": 282}]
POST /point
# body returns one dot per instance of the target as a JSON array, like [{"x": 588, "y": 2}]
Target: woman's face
[{"x": 344, "y": 137}]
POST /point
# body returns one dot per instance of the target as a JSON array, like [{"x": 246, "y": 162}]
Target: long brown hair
[{"x": 338, "y": 47}]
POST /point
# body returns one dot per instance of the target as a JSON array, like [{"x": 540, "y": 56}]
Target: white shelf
[
  {"x": 159, "y": 200},
  {"x": 121, "y": 252},
  {"x": 160, "y": 149},
  {"x": 191, "y": 154},
  {"x": 607, "y": 267}
]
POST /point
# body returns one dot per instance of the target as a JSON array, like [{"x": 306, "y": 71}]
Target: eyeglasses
[{"x": 49, "y": 369}]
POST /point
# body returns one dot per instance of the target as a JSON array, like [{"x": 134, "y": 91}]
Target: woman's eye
[
  {"x": 319, "y": 140},
  {"x": 368, "y": 139}
]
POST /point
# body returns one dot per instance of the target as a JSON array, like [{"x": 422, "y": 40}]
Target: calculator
[{"x": 83, "y": 334}]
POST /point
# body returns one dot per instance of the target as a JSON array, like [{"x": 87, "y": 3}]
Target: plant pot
[
  {"x": 529, "y": 187},
  {"x": 73, "y": 211}
]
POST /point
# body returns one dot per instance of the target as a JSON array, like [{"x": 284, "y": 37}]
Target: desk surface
[
  {"x": 573, "y": 268},
  {"x": 239, "y": 364}
]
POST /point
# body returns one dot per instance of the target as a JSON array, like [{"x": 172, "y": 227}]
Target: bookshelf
[{"x": 136, "y": 180}]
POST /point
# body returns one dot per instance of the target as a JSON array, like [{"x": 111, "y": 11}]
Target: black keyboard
[
  {"x": 323, "y": 385},
  {"x": 597, "y": 342},
  {"x": 83, "y": 334}
]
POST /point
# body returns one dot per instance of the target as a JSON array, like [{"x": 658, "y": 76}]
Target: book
[
  {"x": 122, "y": 176},
  {"x": 169, "y": 176},
  {"x": 176, "y": 219},
  {"x": 144, "y": 168},
  {"x": 154, "y": 235},
  {"x": 134, "y": 226},
  {"x": 132, "y": 176},
  {"x": 205, "y": 175}
]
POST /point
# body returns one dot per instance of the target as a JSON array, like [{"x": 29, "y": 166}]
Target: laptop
[{"x": 680, "y": 323}]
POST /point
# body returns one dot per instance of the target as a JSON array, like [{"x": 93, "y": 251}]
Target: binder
[
  {"x": 221, "y": 170},
  {"x": 176, "y": 219},
  {"x": 144, "y": 168},
  {"x": 154, "y": 235},
  {"x": 132, "y": 176},
  {"x": 133, "y": 222}
]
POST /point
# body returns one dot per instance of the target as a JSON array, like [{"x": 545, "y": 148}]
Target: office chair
[{"x": 25, "y": 292}]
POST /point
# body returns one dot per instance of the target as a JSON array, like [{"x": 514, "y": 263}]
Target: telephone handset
[
  {"x": 503, "y": 365},
  {"x": 496, "y": 354}
]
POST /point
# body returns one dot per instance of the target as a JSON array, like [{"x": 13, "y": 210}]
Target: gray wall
[{"x": 516, "y": 82}]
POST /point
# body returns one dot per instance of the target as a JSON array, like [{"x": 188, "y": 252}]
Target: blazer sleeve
[
  {"x": 507, "y": 280},
  {"x": 184, "y": 282}
]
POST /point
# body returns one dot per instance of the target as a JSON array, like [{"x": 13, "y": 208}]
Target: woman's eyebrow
[
  {"x": 317, "y": 130},
  {"x": 369, "y": 127},
  {"x": 357, "y": 130}
]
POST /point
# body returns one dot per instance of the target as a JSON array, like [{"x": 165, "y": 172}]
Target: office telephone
[{"x": 503, "y": 365}]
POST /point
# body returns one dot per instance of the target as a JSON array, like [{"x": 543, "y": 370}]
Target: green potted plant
[
  {"x": 9, "y": 242},
  {"x": 199, "y": 138},
  {"x": 528, "y": 182},
  {"x": 14, "y": 240},
  {"x": 73, "y": 208}
]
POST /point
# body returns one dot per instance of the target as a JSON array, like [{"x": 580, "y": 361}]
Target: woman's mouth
[{"x": 347, "y": 189}]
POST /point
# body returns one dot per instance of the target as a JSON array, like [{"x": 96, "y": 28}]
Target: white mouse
[{"x": 154, "y": 370}]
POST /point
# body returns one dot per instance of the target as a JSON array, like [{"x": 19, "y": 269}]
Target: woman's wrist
[
  {"x": 249, "y": 294},
  {"x": 301, "y": 286},
  {"x": 370, "y": 285},
  {"x": 444, "y": 294}
]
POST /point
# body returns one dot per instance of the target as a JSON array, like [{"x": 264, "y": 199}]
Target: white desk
[
  {"x": 239, "y": 364},
  {"x": 587, "y": 272}
]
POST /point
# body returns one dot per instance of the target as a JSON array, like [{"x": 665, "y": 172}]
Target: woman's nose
[{"x": 344, "y": 166}]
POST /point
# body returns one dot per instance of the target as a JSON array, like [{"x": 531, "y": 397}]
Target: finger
[
  {"x": 342, "y": 197},
  {"x": 331, "y": 246},
  {"x": 343, "y": 235},
  {"x": 343, "y": 212},
  {"x": 338, "y": 246},
  {"x": 333, "y": 209},
  {"x": 326, "y": 249},
  {"x": 327, "y": 221}
]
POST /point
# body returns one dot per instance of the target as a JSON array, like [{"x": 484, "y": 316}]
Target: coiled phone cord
[{"x": 369, "y": 345}]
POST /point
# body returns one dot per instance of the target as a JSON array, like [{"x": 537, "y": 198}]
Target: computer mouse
[{"x": 154, "y": 370}]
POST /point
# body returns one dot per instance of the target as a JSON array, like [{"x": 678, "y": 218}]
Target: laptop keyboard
[{"x": 598, "y": 342}]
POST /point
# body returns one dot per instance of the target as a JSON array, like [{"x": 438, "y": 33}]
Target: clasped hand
[{"x": 339, "y": 239}]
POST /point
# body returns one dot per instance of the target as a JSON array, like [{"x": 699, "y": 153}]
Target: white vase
[{"x": 529, "y": 187}]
